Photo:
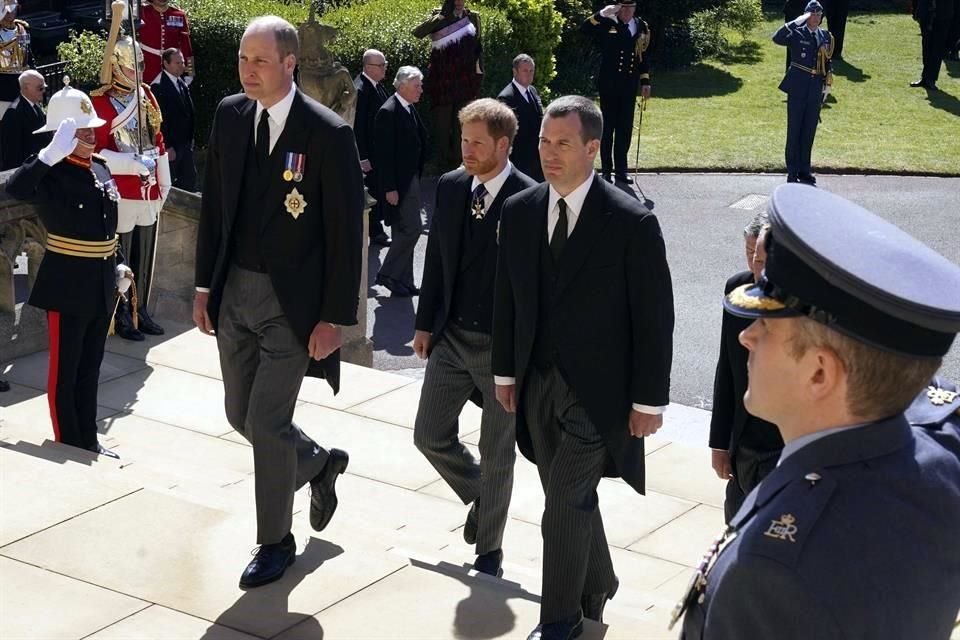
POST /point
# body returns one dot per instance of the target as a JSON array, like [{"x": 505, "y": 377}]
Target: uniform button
[{"x": 80, "y": 206}]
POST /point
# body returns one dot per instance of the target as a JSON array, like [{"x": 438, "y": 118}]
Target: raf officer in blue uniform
[
  {"x": 854, "y": 534},
  {"x": 806, "y": 84},
  {"x": 937, "y": 409},
  {"x": 624, "y": 71}
]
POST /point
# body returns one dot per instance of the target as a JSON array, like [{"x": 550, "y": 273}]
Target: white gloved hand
[
  {"x": 148, "y": 162},
  {"x": 63, "y": 143},
  {"x": 610, "y": 11},
  {"x": 800, "y": 20},
  {"x": 124, "y": 278}
]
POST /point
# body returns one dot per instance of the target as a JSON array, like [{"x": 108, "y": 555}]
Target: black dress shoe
[
  {"x": 101, "y": 450},
  {"x": 792, "y": 177},
  {"x": 323, "y": 495},
  {"x": 470, "y": 526},
  {"x": 607, "y": 176},
  {"x": 269, "y": 563},
  {"x": 489, "y": 563},
  {"x": 807, "y": 178},
  {"x": 593, "y": 603},
  {"x": 147, "y": 325},
  {"x": 395, "y": 288},
  {"x": 623, "y": 178},
  {"x": 557, "y": 631}
]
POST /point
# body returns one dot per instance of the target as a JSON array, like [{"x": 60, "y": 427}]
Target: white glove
[
  {"x": 124, "y": 278},
  {"x": 610, "y": 11},
  {"x": 63, "y": 143},
  {"x": 801, "y": 19},
  {"x": 148, "y": 162}
]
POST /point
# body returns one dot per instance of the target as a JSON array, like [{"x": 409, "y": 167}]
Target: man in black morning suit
[
  {"x": 399, "y": 155},
  {"x": 582, "y": 347},
  {"x": 521, "y": 96},
  {"x": 176, "y": 105},
  {"x": 278, "y": 266},
  {"x": 371, "y": 94},
  {"x": 454, "y": 322},
  {"x": 21, "y": 119}
]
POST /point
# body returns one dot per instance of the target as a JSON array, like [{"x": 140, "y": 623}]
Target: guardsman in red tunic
[
  {"x": 76, "y": 198},
  {"x": 163, "y": 27}
]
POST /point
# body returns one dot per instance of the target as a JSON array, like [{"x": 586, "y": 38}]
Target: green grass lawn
[{"x": 728, "y": 113}]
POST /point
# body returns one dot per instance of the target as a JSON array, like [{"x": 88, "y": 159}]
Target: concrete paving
[{"x": 152, "y": 546}]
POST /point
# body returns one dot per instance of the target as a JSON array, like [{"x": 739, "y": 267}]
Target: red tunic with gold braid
[{"x": 161, "y": 31}]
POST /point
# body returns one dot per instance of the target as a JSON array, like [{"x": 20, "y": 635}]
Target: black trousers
[
  {"x": 749, "y": 468},
  {"x": 76, "y": 351},
  {"x": 803, "y": 114},
  {"x": 837, "y": 11},
  {"x": 183, "y": 170},
  {"x": 936, "y": 43},
  {"x": 618, "y": 108}
]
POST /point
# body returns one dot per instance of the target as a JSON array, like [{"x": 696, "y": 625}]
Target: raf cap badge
[
  {"x": 293, "y": 166},
  {"x": 295, "y": 203}
]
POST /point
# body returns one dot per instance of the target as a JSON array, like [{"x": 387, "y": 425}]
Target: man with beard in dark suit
[
  {"x": 278, "y": 266},
  {"x": 176, "y": 105},
  {"x": 521, "y": 96},
  {"x": 400, "y": 151},
  {"x": 582, "y": 348},
  {"x": 371, "y": 94},
  {"x": 454, "y": 322},
  {"x": 23, "y": 117},
  {"x": 744, "y": 448}
]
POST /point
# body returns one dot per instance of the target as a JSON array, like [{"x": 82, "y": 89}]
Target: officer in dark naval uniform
[
  {"x": 77, "y": 201},
  {"x": 624, "y": 69},
  {"x": 806, "y": 84},
  {"x": 854, "y": 534}
]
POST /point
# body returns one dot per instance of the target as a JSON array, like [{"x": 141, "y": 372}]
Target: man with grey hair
[
  {"x": 371, "y": 94},
  {"x": 582, "y": 348},
  {"x": 278, "y": 266},
  {"x": 24, "y": 116},
  {"x": 744, "y": 448},
  {"x": 521, "y": 96},
  {"x": 400, "y": 151}
]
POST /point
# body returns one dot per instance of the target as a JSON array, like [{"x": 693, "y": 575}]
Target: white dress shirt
[
  {"x": 524, "y": 91},
  {"x": 574, "y": 201},
  {"x": 493, "y": 186},
  {"x": 277, "y": 117},
  {"x": 406, "y": 105}
]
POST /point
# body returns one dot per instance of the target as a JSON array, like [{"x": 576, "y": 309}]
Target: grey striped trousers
[
  {"x": 460, "y": 362},
  {"x": 570, "y": 456}
]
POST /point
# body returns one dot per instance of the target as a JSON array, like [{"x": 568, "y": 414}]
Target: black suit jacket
[
  {"x": 613, "y": 310},
  {"x": 525, "y": 153},
  {"x": 444, "y": 246},
  {"x": 177, "y": 113},
  {"x": 369, "y": 101},
  {"x": 314, "y": 260},
  {"x": 16, "y": 132},
  {"x": 730, "y": 419},
  {"x": 399, "y": 152}
]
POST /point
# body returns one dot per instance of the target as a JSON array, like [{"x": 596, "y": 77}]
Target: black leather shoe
[
  {"x": 489, "y": 563},
  {"x": 147, "y": 325},
  {"x": 395, "y": 288},
  {"x": 269, "y": 563},
  {"x": 470, "y": 526},
  {"x": 792, "y": 178},
  {"x": 123, "y": 324},
  {"x": 323, "y": 495},
  {"x": 101, "y": 450},
  {"x": 557, "y": 631},
  {"x": 607, "y": 176},
  {"x": 593, "y": 603},
  {"x": 807, "y": 178},
  {"x": 623, "y": 178}
]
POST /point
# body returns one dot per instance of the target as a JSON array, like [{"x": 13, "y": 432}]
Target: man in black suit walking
[
  {"x": 371, "y": 94},
  {"x": 582, "y": 347},
  {"x": 400, "y": 151},
  {"x": 521, "y": 96},
  {"x": 744, "y": 448},
  {"x": 278, "y": 266},
  {"x": 23, "y": 117},
  {"x": 176, "y": 105},
  {"x": 454, "y": 322}
]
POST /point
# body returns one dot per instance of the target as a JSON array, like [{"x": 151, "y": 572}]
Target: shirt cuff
[
  {"x": 645, "y": 408},
  {"x": 504, "y": 381},
  {"x": 203, "y": 290}
]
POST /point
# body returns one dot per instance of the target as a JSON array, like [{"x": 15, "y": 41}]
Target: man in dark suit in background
[
  {"x": 176, "y": 105},
  {"x": 744, "y": 448},
  {"x": 278, "y": 266},
  {"x": 936, "y": 20},
  {"x": 521, "y": 96},
  {"x": 582, "y": 348},
  {"x": 400, "y": 151},
  {"x": 23, "y": 117},
  {"x": 836, "y": 12},
  {"x": 371, "y": 94},
  {"x": 454, "y": 322}
]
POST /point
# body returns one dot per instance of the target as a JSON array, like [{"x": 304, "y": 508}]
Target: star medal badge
[
  {"x": 293, "y": 166},
  {"x": 295, "y": 203}
]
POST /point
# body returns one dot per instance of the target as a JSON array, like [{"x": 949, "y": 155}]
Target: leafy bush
[
  {"x": 577, "y": 57},
  {"x": 83, "y": 54}
]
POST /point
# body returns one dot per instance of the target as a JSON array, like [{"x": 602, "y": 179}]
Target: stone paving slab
[
  {"x": 400, "y": 407},
  {"x": 685, "y": 472},
  {"x": 30, "y": 409},
  {"x": 31, "y": 371},
  {"x": 38, "y": 604},
  {"x": 357, "y": 385},
  {"x": 159, "y": 623},
  {"x": 685, "y": 539}
]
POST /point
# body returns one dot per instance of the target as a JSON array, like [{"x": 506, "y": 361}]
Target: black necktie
[
  {"x": 183, "y": 91},
  {"x": 381, "y": 92},
  {"x": 528, "y": 96},
  {"x": 39, "y": 112},
  {"x": 559, "y": 237},
  {"x": 479, "y": 207},
  {"x": 263, "y": 137}
]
